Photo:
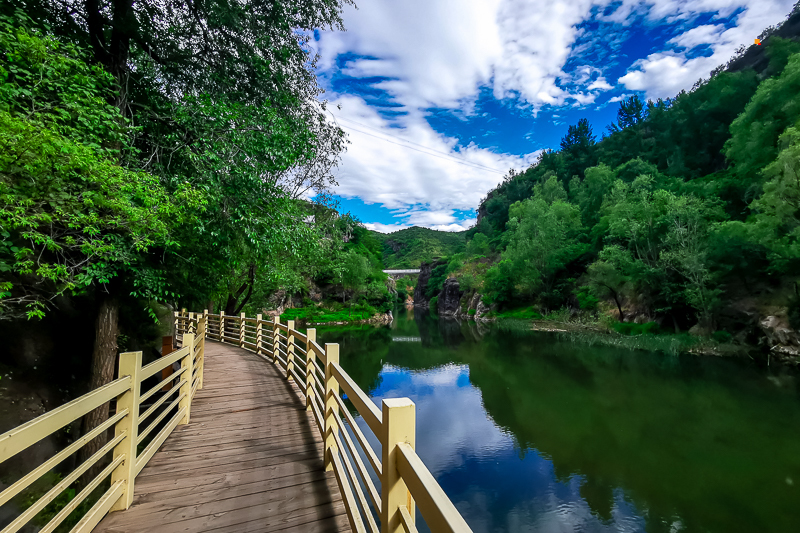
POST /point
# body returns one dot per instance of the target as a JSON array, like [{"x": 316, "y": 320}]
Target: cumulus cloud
[
  {"x": 665, "y": 73},
  {"x": 406, "y": 166},
  {"x": 445, "y": 54},
  {"x": 438, "y": 54}
]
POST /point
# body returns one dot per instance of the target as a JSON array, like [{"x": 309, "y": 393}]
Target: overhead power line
[{"x": 430, "y": 151}]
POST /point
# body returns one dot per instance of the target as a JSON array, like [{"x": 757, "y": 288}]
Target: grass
[
  {"x": 632, "y": 329},
  {"x": 318, "y": 314},
  {"x": 522, "y": 313}
]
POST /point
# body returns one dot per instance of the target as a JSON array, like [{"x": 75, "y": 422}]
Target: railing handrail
[
  {"x": 403, "y": 476},
  {"x": 126, "y": 462}
]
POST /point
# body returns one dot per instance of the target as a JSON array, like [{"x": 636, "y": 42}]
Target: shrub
[
  {"x": 526, "y": 313},
  {"x": 722, "y": 337},
  {"x": 434, "y": 304},
  {"x": 586, "y": 300},
  {"x": 471, "y": 312},
  {"x": 631, "y": 328}
]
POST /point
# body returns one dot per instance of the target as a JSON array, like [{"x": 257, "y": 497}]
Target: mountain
[{"x": 408, "y": 248}]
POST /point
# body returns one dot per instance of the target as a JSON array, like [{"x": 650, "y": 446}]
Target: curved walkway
[{"x": 250, "y": 460}]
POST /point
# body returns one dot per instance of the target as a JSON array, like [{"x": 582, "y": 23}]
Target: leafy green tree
[
  {"x": 609, "y": 276},
  {"x": 754, "y": 134},
  {"x": 589, "y": 193},
  {"x": 354, "y": 272},
  {"x": 544, "y": 239},
  {"x": 71, "y": 219},
  {"x": 631, "y": 111},
  {"x": 577, "y": 149},
  {"x": 478, "y": 246},
  {"x": 777, "y": 219}
]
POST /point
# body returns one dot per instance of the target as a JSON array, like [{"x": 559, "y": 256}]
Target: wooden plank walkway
[{"x": 250, "y": 460}]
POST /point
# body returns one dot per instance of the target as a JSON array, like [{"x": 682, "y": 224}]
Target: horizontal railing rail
[
  {"x": 380, "y": 489},
  {"x": 170, "y": 409}
]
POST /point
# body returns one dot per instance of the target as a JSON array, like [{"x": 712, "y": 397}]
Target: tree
[
  {"x": 479, "y": 245},
  {"x": 355, "y": 269},
  {"x": 754, "y": 133},
  {"x": 608, "y": 275},
  {"x": 577, "y": 149},
  {"x": 71, "y": 219},
  {"x": 544, "y": 239},
  {"x": 589, "y": 193},
  {"x": 777, "y": 219},
  {"x": 631, "y": 111}
]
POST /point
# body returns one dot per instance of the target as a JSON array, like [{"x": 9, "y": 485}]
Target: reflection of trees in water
[
  {"x": 670, "y": 435},
  {"x": 668, "y": 431},
  {"x": 362, "y": 351}
]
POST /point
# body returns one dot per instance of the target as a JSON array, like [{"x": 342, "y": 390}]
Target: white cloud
[
  {"x": 442, "y": 53},
  {"x": 600, "y": 83},
  {"x": 619, "y": 98},
  {"x": 663, "y": 74},
  {"x": 408, "y": 167},
  {"x": 439, "y": 53}
]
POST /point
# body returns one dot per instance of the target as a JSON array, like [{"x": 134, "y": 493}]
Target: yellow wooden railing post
[
  {"x": 241, "y": 330},
  {"x": 186, "y": 390},
  {"x": 399, "y": 425},
  {"x": 331, "y": 388},
  {"x": 202, "y": 359},
  {"x": 222, "y": 326},
  {"x": 190, "y": 327},
  {"x": 130, "y": 363},
  {"x": 258, "y": 333},
  {"x": 312, "y": 337},
  {"x": 289, "y": 350},
  {"x": 176, "y": 329},
  {"x": 275, "y": 339}
]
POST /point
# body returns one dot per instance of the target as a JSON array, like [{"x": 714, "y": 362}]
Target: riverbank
[{"x": 593, "y": 333}]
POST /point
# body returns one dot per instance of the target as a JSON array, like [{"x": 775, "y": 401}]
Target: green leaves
[{"x": 66, "y": 242}]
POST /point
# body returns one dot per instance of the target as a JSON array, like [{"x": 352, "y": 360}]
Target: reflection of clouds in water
[
  {"x": 493, "y": 486},
  {"x": 451, "y": 421}
]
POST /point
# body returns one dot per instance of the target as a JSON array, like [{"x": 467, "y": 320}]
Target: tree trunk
[
  {"x": 619, "y": 306},
  {"x": 232, "y": 306},
  {"x": 104, "y": 357}
]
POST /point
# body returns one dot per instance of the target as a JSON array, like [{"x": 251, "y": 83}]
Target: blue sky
[{"x": 440, "y": 98}]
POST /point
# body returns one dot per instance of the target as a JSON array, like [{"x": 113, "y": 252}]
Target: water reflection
[{"x": 526, "y": 432}]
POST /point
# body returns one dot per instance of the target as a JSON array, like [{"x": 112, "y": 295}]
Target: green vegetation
[
  {"x": 525, "y": 313},
  {"x": 313, "y": 315},
  {"x": 408, "y": 248},
  {"x": 164, "y": 160}
]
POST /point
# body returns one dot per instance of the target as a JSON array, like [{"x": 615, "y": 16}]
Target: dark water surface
[{"x": 526, "y": 431}]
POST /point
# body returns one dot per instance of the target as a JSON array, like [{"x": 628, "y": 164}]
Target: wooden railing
[
  {"x": 142, "y": 421},
  {"x": 404, "y": 480}
]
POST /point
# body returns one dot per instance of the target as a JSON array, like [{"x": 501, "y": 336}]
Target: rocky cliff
[
  {"x": 425, "y": 269},
  {"x": 450, "y": 298}
]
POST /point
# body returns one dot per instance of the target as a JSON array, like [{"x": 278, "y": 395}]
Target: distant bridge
[{"x": 395, "y": 274}]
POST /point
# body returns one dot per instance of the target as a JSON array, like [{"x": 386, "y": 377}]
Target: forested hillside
[
  {"x": 686, "y": 211},
  {"x": 408, "y": 248}
]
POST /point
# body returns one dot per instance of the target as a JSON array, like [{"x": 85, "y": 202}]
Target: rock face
[
  {"x": 450, "y": 298},
  {"x": 391, "y": 286},
  {"x": 425, "y": 269},
  {"x": 779, "y": 337},
  {"x": 314, "y": 292}
]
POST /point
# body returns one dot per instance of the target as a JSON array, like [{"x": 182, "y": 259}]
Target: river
[{"x": 526, "y": 431}]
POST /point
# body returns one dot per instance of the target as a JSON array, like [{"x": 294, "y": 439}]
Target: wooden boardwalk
[{"x": 250, "y": 460}]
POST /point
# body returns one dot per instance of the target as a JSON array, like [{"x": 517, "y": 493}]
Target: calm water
[{"x": 527, "y": 432}]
